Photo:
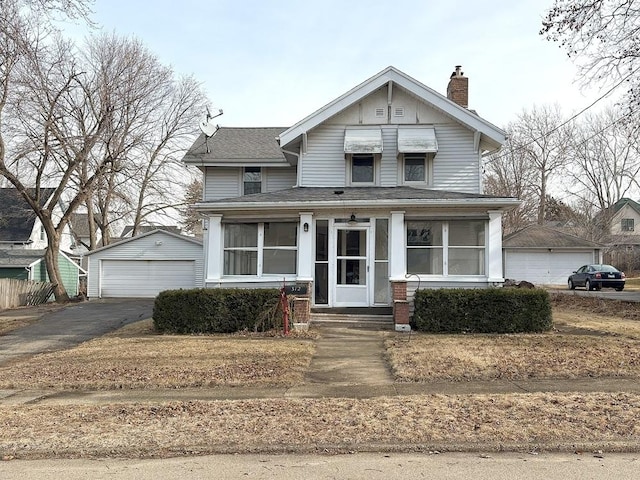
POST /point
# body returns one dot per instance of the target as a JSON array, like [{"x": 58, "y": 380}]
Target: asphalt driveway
[
  {"x": 625, "y": 295},
  {"x": 73, "y": 324}
]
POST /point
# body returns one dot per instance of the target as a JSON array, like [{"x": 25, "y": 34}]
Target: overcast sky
[{"x": 273, "y": 62}]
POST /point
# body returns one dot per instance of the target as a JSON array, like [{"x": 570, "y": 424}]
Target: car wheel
[
  {"x": 619, "y": 289},
  {"x": 587, "y": 285},
  {"x": 571, "y": 285}
]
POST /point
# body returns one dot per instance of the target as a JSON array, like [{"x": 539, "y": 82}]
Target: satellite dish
[
  {"x": 207, "y": 127},
  {"x": 205, "y": 124}
]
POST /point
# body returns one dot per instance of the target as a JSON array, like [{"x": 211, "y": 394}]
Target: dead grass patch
[
  {"x": 134, "y": 358},
  {"x": 426, "y": 358},
  {"x": 487, "y": 422}
]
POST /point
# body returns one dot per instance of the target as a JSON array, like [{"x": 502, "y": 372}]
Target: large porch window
[
  {"x": 260, "y": 248},
  {"x": 455, "y": 247}
]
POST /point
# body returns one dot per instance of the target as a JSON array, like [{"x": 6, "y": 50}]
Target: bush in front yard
[
  {"x": 492, "y": 310},
  {"x": 216, "y": 310}
]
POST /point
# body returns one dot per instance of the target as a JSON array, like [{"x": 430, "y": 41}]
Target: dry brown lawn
[
  {"x": 592, "y": 338},
  {"x": 134, "y": 357},
  {"x": 21, "y": 317},
  {"x": 463, "y": 422}
]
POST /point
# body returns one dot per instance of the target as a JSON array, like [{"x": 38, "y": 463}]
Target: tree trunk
[{"x": 53, "y": 268}]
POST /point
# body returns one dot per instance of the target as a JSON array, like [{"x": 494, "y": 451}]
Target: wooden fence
[{"x": 17, "y": 293}]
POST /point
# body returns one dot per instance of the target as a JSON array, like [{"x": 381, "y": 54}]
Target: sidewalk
[{"x": 348, "y": 363}]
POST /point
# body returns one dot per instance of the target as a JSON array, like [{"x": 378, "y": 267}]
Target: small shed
[
  {"x": 145, "y": 265},
  {"x": 25, "y": 264},
  {"x": 546, "y": 256}
]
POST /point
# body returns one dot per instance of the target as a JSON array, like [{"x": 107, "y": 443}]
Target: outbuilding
[
  {"x": 546, "y": 256},
  {"x": 145, "y": 265}
]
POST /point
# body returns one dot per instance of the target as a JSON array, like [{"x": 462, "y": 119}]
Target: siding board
[{"x": 222, "y": 182}]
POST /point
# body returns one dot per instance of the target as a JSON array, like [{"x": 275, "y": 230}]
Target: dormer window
[{"x": 252, "y": 180}]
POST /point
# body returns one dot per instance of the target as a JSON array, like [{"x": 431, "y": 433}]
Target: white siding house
[
  {"x": 145, "y": 265},
  {"x": 374, "y": 194}
]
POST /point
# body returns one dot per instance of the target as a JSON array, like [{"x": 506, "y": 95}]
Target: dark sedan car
[{"x": 595, "y": 277}]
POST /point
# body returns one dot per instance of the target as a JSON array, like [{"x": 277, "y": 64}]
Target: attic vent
[
  {"x": 398, "y": 112},
  {"x": 379, "y": 112}
]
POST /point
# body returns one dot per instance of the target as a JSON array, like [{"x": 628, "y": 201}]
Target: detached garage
[
  {"x": 145, "y": 265},
  {"x": 546, "y": 256}
]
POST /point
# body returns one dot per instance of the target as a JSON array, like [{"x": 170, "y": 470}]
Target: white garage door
[
  {"x": 145, "y": 278},
  {"x": 544, "y": 268}
]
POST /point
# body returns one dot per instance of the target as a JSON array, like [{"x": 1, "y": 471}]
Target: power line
[{"x": 556, "y": 128}]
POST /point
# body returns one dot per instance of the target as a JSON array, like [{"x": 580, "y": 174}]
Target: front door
[{"x": 351, "y": 267}]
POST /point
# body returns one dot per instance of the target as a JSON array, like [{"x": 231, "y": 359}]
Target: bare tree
[
  {"x": 541, "y": 136},
  {"x": 150, "y": 131},
  {"x": 508, "y": 173},
  {"x": 45, "y": 113},
  {"x": 603, "y": 36},
  {"x": 605, "y": 162}
]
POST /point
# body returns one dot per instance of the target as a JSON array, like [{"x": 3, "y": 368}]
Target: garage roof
[
  {"x": 138, "y": 237},
  {"x": 539, "y": 236}
]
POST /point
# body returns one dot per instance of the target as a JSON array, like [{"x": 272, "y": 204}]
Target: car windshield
[{"x": 605, "y": 268}]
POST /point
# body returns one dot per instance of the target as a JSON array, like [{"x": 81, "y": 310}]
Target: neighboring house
[
  {"x": 127, "y": 232},
  {"x": 361, "y": 202},
  {"x": 622, "y": 222},
  {"x": 20, "y": 227},
  {"x": 28, "y": 264},
  {"x": 546, "y": 256},
  {"x": 144, "y": 265}
]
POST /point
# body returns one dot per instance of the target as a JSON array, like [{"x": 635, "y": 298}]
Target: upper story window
[
  {"x": 627, "y": 225},
  {"x": 252, "y": 180},
  {"x": 362, "y": 168},
  {"x": 415, "y": 167}
]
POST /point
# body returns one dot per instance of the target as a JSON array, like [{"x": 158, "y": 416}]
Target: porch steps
[{"x": 348, "y": 320}]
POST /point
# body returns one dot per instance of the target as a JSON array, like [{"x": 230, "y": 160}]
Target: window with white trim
[
  {"x": 455, "y": 247},
  {"x": 415, "y": 168},
  {"x": 362, "y": 167},
  {"x": 252, "y": 180},
  {"x": 260, "y": 249}
]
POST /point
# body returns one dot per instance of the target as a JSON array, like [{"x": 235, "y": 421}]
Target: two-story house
[
  {"x": 622, "y": 222},
  {"x": 375, "y": 194}
]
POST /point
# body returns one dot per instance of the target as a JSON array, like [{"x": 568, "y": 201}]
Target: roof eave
[{"x": 490, "y": 203}]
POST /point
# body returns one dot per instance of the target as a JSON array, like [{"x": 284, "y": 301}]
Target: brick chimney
[{"x": 458, "y": 88}]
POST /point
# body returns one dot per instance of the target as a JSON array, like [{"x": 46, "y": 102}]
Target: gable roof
[
  {"x": 128, "y": 230},
  {"x": 16, "y": 216},
  {"x": 626, "y": 202},
  {"x": 539, "y": 236},
  {"x": 148, "y": 234},
  {"x": 20, "y": 258},
  {"x": 230, "y": 145},
  {"x": 490, "y": 132}
]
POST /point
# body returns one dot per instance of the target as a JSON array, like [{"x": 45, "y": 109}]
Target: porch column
[
  {"x": 494, "y": 250},
  {"x": 214, "y": 249},
  {"x": 397, "y": 248},
  {"x": 305, "y": 247}
]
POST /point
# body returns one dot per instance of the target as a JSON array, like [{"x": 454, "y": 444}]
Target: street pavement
[
  {"x": 369, "y": 466},
  {"x": 611, "y": 294}
]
